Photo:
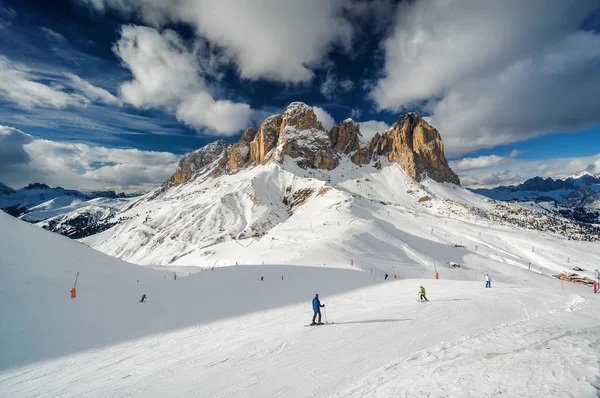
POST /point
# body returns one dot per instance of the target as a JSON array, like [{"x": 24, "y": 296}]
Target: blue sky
[{"x": 111, "y": 93}]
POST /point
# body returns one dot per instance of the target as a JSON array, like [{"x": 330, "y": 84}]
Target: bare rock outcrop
[
  {"x": 265, "y": 139},
  {"x": 303, "y": 138},
  {"x": 298, "y": 134},
  {"x": 347, "y": 139},
  {"x": 196, "y": 162},
  {"x": 417, "y": 147},
  {"x": 239, "y": 153}
]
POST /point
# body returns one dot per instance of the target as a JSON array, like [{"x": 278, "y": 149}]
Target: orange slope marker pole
[{"x": 74, "y": 290}]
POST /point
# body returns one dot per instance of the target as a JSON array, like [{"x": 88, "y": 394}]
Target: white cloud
[
  {"x": 355, "y": 113},
  {"x": 325, "y": 118},
  {"x": 164, "y": 69},
  {"x": 222, "y": 117},
  {"x": 328, "y": 86},
  {"x": 18, "y": 84},
  {"x": 52, "y": 34},
  {"x": 488, "y": 74},
  {"x": 369, "y": 128},
  {"x": 27, "y": 159},
  {"x": 477, "y": 163},
  {"x": 272, "y": 39},
  {"x": 168, "y": 74},
  {"x": 94, "y": 93},
  {"x": 347, "y": 85},
  {"x": 482, "y": 161},
  {"x": 7, "y": 16},
  {"x": 331, "y": 85},
  {"x": 492, "y": 180}
]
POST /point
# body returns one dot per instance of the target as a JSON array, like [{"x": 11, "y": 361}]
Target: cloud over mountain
[
  {"x": 494, "y": 73},
  {"x": 25, "y": 159},
  {"x": 168, "y": 74}
]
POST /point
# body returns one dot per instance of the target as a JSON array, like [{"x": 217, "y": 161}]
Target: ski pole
[
  {"x": 325, "y": 313},
  {"x": 76, "y": 276}
]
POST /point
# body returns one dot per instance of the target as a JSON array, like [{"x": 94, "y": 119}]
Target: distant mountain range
[
  {"x": 576, "y": 197},
  {"x": 70, "y": 212}
]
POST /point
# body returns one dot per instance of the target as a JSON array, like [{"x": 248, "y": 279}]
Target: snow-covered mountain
[
  {"x": 296, "y": 211},
  {"x": 238, "y": 331},
  {"x": 290, "y": 194},
  {"x": 69, "y": 212},
  {"x": 5, "y": 189},
  {"x": 576, "y": 198}
]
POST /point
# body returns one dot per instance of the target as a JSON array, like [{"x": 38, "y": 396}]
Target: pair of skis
[{"x": 320, "y": 324}]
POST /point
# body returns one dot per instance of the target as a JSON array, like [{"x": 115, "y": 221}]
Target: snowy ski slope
[
  {"x": 225, "y": 333},
  {"x": 374, "y": 219}
]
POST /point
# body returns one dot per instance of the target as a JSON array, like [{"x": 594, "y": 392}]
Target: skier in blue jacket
[{"x": 317, "y": 309}]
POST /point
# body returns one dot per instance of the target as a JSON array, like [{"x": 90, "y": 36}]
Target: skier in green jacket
[{"x": 422, "y": 293}]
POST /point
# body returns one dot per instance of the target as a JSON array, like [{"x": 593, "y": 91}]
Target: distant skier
[
  {"x": 175, "y": 275},
  {"x": 262, "y": 278},
  {"x": 143, "y": 298},
  {"x": 316, "y": 304},
  {"x": 488, "y": 281},
  {"x": 422, "y": 294},
  {"x": 386, "y": 276}
]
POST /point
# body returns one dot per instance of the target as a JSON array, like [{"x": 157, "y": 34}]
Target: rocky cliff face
[
  {"x": 239, "y": 153},
  {"x": 347, "y": 139},
  {"x": 195, "y": 163},
  {"x": 265, "y": 139},
  {"x": 417, "y": 147},
  {"x": 298, "y": 134},
  {"x": 302, "y": 137}
]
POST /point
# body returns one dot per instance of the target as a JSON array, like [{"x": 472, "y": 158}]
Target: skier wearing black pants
[
  {"x": 422, "y": 294},
  {"x": 317, "y": 309}
]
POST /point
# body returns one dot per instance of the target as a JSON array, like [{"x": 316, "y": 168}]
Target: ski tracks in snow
[
  {"x": 540, "y": 355},
  {"x": 515, "y": 342}
]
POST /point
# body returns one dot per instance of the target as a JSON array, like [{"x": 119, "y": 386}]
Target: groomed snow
[{"x": 226, "y": 333}]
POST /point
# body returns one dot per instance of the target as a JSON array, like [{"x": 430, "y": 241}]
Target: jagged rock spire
[{"x": 298, "y": 134}]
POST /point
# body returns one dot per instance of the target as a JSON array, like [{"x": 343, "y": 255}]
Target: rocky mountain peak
[
  {"x": 37, "y": 185},
  {"x": 417, "y": 147},
  {"x": 302, "y": 137},
  {"x": 298, "y": 134},
  {"x": 347, "y": 139},
  {"x": 194, "y": 163},
  {"x": 300, "y": 116},
  {"x": 5, "y": 189}
]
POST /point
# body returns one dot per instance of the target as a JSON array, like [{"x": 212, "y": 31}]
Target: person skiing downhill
[
  {"x": 488, "y": 281},
  {"x": 316, "y": 304},
  {"x": 422, "y": 294},
  {"x": 143, "y": 298}
]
